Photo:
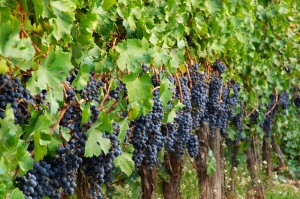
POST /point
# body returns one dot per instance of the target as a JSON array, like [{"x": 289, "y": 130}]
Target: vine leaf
[
  {"x": 41, "y": 136},
  {"x": 19, "y": 51},
  {"x": 166, "y": 90},
  {"x": 38, "y": 8},
  {"x": 211, "y": 163},
  {"x": 139, "y": 90},
  {"x": 12, "y": 148},
  {"x": 3, "y": 66},
  {"x": 124, "y": 126},
  {"x": 86, "y": 112},
  {"x": 107, "y": 4},
  {"x": 54, "y": 70},
  {"x": 82, "y": 77},
  {"x": 17, "y": 194},
  {"x": 125, "y": 162},
  {"x": 132, "y": 53},
  {"x": 171, "y": 113},
  {"x": 65, "y": 15},
  {"x": 212, "y": 6},
  {"x": 96, "y": 143}
]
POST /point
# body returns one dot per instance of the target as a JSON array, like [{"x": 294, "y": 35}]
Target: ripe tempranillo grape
[
  {"x": 50, "y": 177},
  {"x": 146, "y": 136},
  {"x": 98, "y": 170},
  {"x": 116, "y": 92},
  {"x": 272, "y": 109},
  {"x": 219, "y": 66},
  {"x": 91, "y": 90},
  {"x": 199, "y": 94},
  {"x": 12, "y": 92},
  {"x": 213, "y": 104}
]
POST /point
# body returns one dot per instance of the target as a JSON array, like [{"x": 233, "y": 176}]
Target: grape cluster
[
  {"x": 40, "y": 98},
  {"x": 213, "y": 103},
  {"x": 169, "y": 132},
  {"x": 192, "y": 145},
  {"x": 219, "y": 66},
  {"x": 91, "y": 90},
  {"x": 53, "y": 176},
  {"x": 185, "y": 93},
  {"x": 146, "y": 137},
  {"x": 12, "y": 92},
  {"x": 98, "y": 169},
  {"x": 47, "y": 179},
  {"x": 116, "y": 92},
  {"x": 272, "y": 109},
  {"x": 237, "y": 120},
  {"x": 270, "y": 115},
  {"x": 199, "y": 98},
  {"x": 283, "y": 100},
  {"x": 177, "y": 135}
]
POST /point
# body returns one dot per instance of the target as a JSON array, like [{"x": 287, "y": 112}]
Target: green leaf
[
  {"x": 125, "y": 162},
  {"x": 132, "y": 53},
  {"x": 23, "y": 157},
  {"x": 165, "y": 90},
  {"x": 41, "y": 136},
  {"x": 50, "y": 76},
  {"x": 86, "y": 112},
  {"x": 18, "y": 51},
  {"x": 64, "y": 12},
  {"x": 139, "y": 89},
  {"x": 212, "y": 6},
  {"x": 17, "y": 194},
  {"x": 82, "y": 77},
  {"x": 3, "y": 66},
  {"x": 39, "y": 150},
  {"x": 124, "y": 126},
  {"x": 65, "y": 132},
  {"x": 170, "y": 114},
  {"x": 107, "y": 4},
  {"x": 164, "y": 174},
  {"x": 12, "y": 148},
  {"x": 95, "y": 143},
  {"x": 38, "y": 8},
  {"x": 134, "y": 110},
  {"x": 211, "y": 163},
  {"x": 3, "y": 166}
]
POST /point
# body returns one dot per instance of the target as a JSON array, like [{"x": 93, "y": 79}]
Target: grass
[{"x": 282, "y": 191}]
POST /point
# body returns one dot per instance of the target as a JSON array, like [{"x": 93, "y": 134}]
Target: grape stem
[
  {"x": 274, "y": 105},
  {"x": 192, "y": 163},
  {"x": 59, "y": 118},
  {"x": 157, "y": 87},
  {"x": 189, "y": 76},
  {"x": 188, "y": 55},
  {"x": 107, "y": 92},
  {"x": 251, "y": 112},
  {"x": 65, "y": 85},
  {"x": 113, "y": 106},
  {"x": 179, "y": 86},
  {"x": 155, "y": 72}
]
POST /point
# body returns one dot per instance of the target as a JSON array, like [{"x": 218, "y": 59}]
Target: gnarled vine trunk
[
  {"x": 203, "y": 178},
  {"x": 216, "y": 181},
  {"x": 256, "y": 191},
  {"x": 82, "y": 185},
  {"x": 171, "y": 189},
  {"x": 231, "y": 190},
  {"x": 148, "y": 181},
  {"x": 267, "y": 156},
  {"x": 279, "y": 154}
]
